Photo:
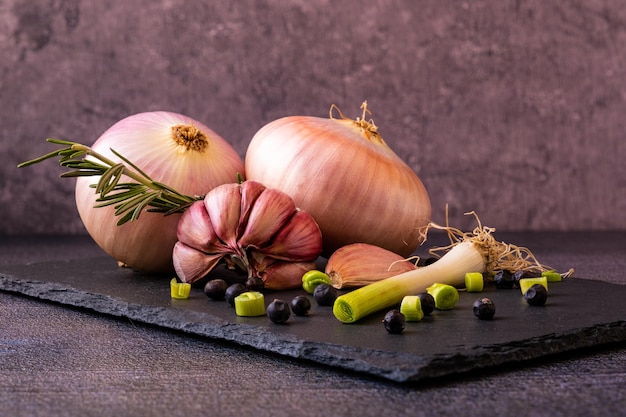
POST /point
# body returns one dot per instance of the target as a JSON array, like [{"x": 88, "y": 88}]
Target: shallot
[{"x": 345, "y": 175}]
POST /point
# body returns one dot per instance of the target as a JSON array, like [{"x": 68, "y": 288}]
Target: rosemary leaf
[
  {"x": 176, "y": 199},
  {"x": 133, "y": 214},
  {"x": 83, "y": 163},
  {"x": 107, "y": 203},
  {"x": 117, "y": 198},
  {"x": 66, "y": 153},
  {"x": 135, "y": 167},
  {"x": 155, "y": 207},
  {"x": 176, "y": 196},
  {"x": 125, "y": 218},
  {"x": 118, "y": 171},
  {"x": 76, "y": 154},
  {"x": 84, "y": 173},
  {"x": 130, "y": 203},
  {"x": 161, "y": 206},
  {"x": 129, "y": 199},
  {"x": 165, "y": 187},
  {"x": 40, "y": 159},
  {"x": 128, "y": 186},
  {"x": 122, "y": 195},
  {"x": 145, "y": 203},
  {"x": 177, "y": 209},
  {"x": 109, "y": 179},
  {"x": 60, "y": 141},
  {"x": 105, "y": 181}
]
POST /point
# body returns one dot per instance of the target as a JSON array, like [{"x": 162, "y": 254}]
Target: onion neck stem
[
  {"x": 367, "y": 127},
  {"x": 190, "y": 137}
]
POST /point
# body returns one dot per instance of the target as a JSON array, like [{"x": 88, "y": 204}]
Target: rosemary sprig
[{"x": 130, "y": 199}]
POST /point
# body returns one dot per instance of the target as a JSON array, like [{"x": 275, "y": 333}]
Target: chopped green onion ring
[
  {"x": 411, "y": 307},
  {"x": 250, "y": 304},
  {"x": 446, "y": 296},
  {"x": 474, "y": 282},
  {"x": 311, "y": 279}
]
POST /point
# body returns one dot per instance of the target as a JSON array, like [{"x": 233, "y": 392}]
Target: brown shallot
[
  {"x": 360, "y": 264},
  {"x": 344, "y": 174}
]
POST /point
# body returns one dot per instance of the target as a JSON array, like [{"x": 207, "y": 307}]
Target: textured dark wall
[{"x": 514, "y": 109}]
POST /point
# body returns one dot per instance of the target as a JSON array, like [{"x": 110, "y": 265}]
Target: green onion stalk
[{"x": 475, "y": 251}]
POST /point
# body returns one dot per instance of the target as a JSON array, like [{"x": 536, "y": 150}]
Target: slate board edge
[{"x": 394, "y": 366}]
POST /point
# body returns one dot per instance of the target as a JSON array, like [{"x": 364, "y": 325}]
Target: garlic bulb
[
  {"x": 172, "y": 149},
  {"x": 360, "y": 264},
  {"x": 257, "y": 229}
]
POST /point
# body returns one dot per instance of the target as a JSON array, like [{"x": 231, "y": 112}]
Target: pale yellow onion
[
  {"x": 342, "y": 173},
  {"x": 146, "y": 139}
]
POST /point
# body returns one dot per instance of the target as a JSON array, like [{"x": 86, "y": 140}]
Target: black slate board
[{"x": 580, "y": 313}]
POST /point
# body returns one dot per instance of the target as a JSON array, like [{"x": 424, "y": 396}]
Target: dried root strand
[
  {"x": 497, "y": 255},
  {"x": 368, "y": 127}
]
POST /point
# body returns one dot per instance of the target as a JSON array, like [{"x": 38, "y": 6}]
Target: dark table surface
[{"x": 56, "y": 360}]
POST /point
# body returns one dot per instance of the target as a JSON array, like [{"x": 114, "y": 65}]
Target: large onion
[
  {"x": 172, "y": 149},
  {"x": 343, "y": 173}
]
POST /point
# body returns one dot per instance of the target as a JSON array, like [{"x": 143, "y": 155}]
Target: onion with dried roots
[
  {"x": 343, "y": 173},
  {"x": 171, "y": 149}
]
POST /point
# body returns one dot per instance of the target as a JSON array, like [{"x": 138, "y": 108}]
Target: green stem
[
  {"x": 130, "y": 198},
  {"x": 142, "y": 179}
]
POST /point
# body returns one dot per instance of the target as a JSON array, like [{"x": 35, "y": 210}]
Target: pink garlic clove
[
  {"x": 271, "y": 210},
  {"x": 191, "y": 264},
  {"x": 223, "y": 205},
  {"x": 298, "y": 240},
  {"x": 195, "y": 230},
  {"x": 250, "y": 191},
  {"x": 284, "y": 275}
]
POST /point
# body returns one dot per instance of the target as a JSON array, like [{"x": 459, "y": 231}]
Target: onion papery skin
[
  {"x": 145, "y": 139},
  {"x": 357, "y": 190}
]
